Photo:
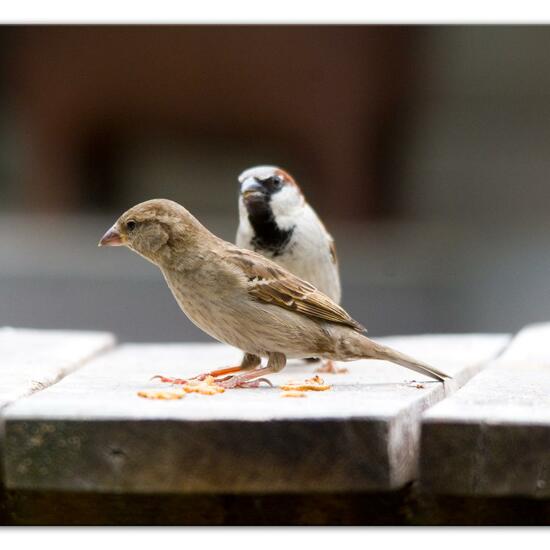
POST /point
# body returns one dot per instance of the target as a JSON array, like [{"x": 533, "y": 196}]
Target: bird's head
[
  {"x": 269, "y": 187},
  {"x": 153, "y": 229}
]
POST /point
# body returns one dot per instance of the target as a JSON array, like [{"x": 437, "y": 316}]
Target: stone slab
[
  {"x": 90, "y": 432},
  {"x": 492, "y": 438},
  {"x": 31, "y": 360}
]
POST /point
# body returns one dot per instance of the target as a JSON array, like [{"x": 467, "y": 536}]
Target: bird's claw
[
  {"x": 232, "y": 382},
  {"x": 228, "y": 382},
  {"x": 167, "y": 380},
  {"x": 200, "y": 377},
  {"x": 268, "y": 382}
]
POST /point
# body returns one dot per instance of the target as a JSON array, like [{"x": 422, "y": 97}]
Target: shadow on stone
[{"x": 58, "y": 508}]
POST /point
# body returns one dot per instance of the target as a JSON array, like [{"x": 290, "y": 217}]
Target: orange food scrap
[
  {"x": 330, "y": 368},
  {"x": 207, "y": 386},
  {"x": 165, "y": 395},
  {"x": 311, "y": 384},
  {"x": 293, "y": 393}
]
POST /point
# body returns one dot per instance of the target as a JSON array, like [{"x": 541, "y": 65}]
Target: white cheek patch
[
  {"x": 243, "y": 212},
  {"x": 244, "y": 223},
  {"x": 285, "y": 205}
]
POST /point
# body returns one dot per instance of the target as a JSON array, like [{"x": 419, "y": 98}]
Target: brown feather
[
  {"x": 333, "y": 255},
  {"x": 269, "y": 283}
]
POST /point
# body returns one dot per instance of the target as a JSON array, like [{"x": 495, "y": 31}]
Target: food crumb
[
  {"x": 164, "y": 395},
  {"x": 207, "y": 386},
  {"x": 293, "y": 393},
  {"x": 311, "y": 384},
  {"x": 330, "y": 368}
]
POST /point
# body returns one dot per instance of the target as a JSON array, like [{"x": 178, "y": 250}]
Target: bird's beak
[
  {"x": 251, "y": 187},
  {"x": 111, "y": 238}
]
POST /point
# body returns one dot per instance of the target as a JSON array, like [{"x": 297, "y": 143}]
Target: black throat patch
[{"x": 268, "y": 236}]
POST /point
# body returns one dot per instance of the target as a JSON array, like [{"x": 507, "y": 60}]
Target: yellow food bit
[
  {"x": 207, "y": 386},
  {"x": 330, "y": 368},
  {"x": 305, "y": 387},
  {"x": 203, "y": 390},
  {"x": 166, "y": 395},
  {"x": 293, "y": 393},
  {"x": 311, "y": 384}
]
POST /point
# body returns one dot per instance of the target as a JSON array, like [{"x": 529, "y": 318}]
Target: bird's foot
[
  {"x": 200, "y": 377},
  {"x": 168, "y": 380},
  {"x": 216, "y": 373},
  {"x": 253, "y": 378},
  {"x": 329, "y": 367}
]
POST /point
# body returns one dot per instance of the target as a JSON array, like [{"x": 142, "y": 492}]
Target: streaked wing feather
[{"x": 270, "y": 284}]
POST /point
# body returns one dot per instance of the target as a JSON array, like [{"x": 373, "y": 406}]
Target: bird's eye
[
  {"x": 276, "y": 182},
  {"x": 130, "y": 225}
]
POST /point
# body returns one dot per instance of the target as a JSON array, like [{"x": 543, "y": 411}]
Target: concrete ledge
[
  {"x": 31, "y": 360},
  {"x": 492, "y": 438},
  {"x": 90, "y": 432}
]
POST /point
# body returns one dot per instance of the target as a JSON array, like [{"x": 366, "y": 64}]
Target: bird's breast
[{"x": 207, "y": 305}]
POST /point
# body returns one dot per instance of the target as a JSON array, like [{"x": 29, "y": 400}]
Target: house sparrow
[
  {"x": 244, "y": 299},
  {"x": 276, "y": 221}
]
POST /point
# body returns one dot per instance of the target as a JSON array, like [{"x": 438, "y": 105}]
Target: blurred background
[{"x": 426, "y": 150}]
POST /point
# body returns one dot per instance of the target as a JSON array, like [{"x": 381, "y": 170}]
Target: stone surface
[
  {"x": 492, "y": 437},
  {"x": 31, "y": 360},
  {"x": 91, "y": 432}
]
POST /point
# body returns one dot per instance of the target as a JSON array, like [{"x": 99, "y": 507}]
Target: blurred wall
[
  {"x": 428, "y": 122},
  {"x": 425, "y": 149},
  {"x": 111, "y": 115},
  {"x": 475, "y": 144}
]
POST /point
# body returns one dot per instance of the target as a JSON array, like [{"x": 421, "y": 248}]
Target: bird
[
  {"x": 243, "y": 299},
  {"x": 275, "y": 220}
]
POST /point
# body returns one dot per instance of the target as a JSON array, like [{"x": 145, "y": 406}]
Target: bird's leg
[
  {"x": 248, "y": 362},
  {"x": 276, "y": 362},
  {"x": 168, "y": 380}
]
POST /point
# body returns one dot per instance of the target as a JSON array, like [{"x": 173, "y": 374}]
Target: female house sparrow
[
  {"x": 244, "y": 299},
  {"x": 276, "y": 221}
]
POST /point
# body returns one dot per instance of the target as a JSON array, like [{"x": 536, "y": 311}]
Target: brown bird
[{"x": 243, "y": 299}]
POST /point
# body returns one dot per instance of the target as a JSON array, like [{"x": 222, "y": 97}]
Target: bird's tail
[{"x": 378, "y": 351}]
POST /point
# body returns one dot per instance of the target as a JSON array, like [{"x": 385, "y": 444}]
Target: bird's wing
[
  {"x": 269, "y": 283},
  {"x": 332, "y": 250}
]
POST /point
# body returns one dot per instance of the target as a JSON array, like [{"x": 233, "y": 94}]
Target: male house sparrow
[
  {"x": 276, "y": 221},
  {"x": 244, "y": 299}
]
